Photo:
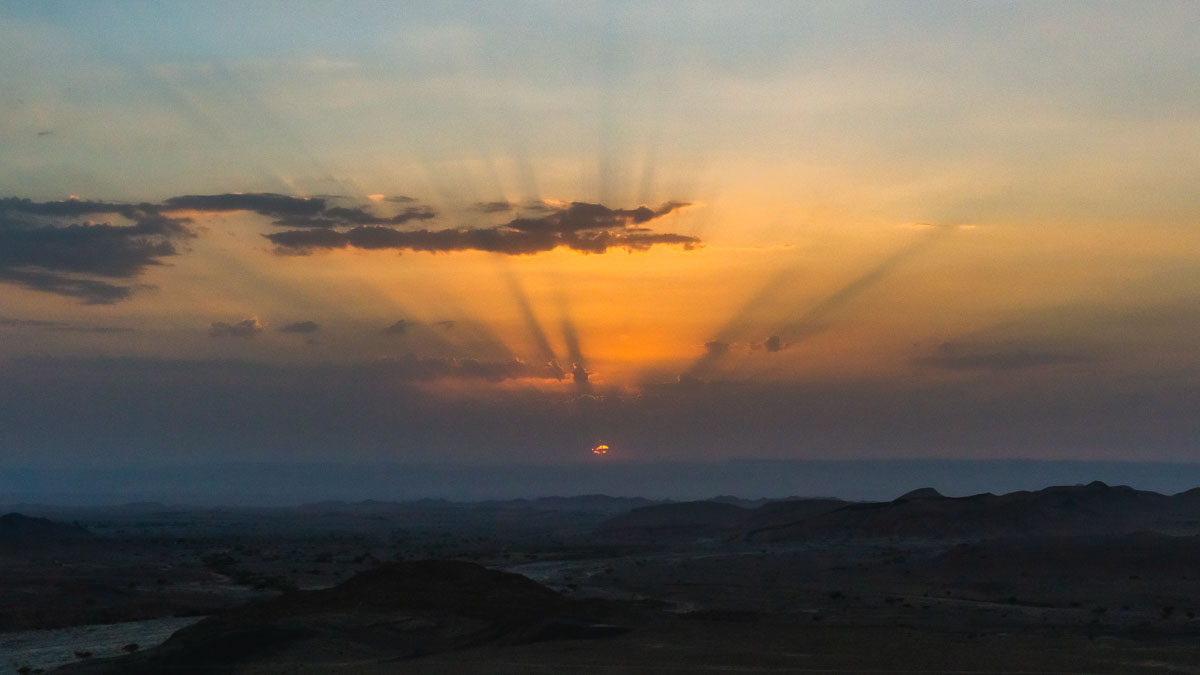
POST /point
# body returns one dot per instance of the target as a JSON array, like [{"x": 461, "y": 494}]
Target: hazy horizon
[{"x": 294, "y": 483}]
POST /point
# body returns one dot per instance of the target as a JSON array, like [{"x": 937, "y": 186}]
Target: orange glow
[{"x": 600, "y": 450}]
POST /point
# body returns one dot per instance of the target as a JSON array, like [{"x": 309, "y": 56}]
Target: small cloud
[
  {"x": 716, "y": 347},
  {"x": 399, "y": 328},
  {"x": 494, "y": 207},
  {"x": 339, "y": 216},
  {"x": 445, "y": 323},
  {"x": 247, "y": 328},
  {"x": 773, "y": 344},
  {"x": 301, "y": 327},
  {"x": 957, "y": 356},
  {"x": 579, "y": 375},
  {"x": 47, "y": 132},
  {"x": 417, "y": 368}
]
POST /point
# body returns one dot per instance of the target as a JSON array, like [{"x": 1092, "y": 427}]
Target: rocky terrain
[{"x": 1070, "y": 579}]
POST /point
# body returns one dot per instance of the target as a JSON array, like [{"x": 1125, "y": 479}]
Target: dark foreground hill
[
  {"x": 396, "y": 611},
  {"x": 16, "y": 528}
]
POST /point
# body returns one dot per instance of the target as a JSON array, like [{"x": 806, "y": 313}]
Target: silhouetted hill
[
  {"x": 921, "y": 493},
  {"x": 1095, "y": 508},
  {"x": 396, "y": 611},
  {"x": 788, "y": 511},
  {"x": 711, "y": 518},
  {"x": 18, "y": 528},
  {"x": 584, "y": 503},
  {"x": 676, "y": 519}
]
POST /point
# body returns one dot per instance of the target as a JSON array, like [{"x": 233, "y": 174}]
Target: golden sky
[{"x": 515, "y": 231}]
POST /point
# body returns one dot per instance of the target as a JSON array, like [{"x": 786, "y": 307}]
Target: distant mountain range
[{"x": 1074, "y": 510}]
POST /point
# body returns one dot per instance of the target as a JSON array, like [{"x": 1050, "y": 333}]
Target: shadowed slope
[
  {"x": 397, "y": 611},
  {"x": 16, "y": 528}
]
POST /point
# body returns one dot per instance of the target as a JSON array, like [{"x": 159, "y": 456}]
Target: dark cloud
[
  {"x": 445, "y": 323},
  {"x": 494, "y": 207},
  {"x": 104, "y": 250},
  {"x": 71, "y": 208},
  {"x": 43, "y": 246},
  {"x": 773, "y": 344},
  {"x": 955, "y": 356},
  {"x": 584, "y": 216},
  {"x": 399, "y": 199},
  {"x": 59, "y": 326},
  {"x": 431, "y": 368},
  {"x": 30, "y": 323},
  {"x": 589, "y": 228},
  {"x": 264, "y": 203},
  {"x": 399, "y": 328},
  {"x": 247, "y": 328},
  {"x": 716, "y": 347},
  {"x": 579, "y": 375},
  {"x": 89, "y": 291},
  {"x": 346, "y": 217},
  {"x": 301, "y": 327},
  {"x": 496, "y": 240}
]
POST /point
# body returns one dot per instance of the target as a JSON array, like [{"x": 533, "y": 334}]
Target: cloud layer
[
  {"x": 90, "y": 250},
  {"x": 58, "y": 248},
  {"x": 589, "y": 228}
]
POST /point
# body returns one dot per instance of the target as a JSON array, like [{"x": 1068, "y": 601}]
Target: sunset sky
[{"x": 512, "y": 231}]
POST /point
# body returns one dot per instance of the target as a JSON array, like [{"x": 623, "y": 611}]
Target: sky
[{"x": 471, "y": 233}]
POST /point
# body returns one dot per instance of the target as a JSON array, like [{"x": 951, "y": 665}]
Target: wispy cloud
[
  {"x": 959, "y": 356},
  {"x": 246, "y": 328},
  {"x": 59, "y": 326},
  {"x": 265, "y": 203},
  {"x": 300, "y": 327}
]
